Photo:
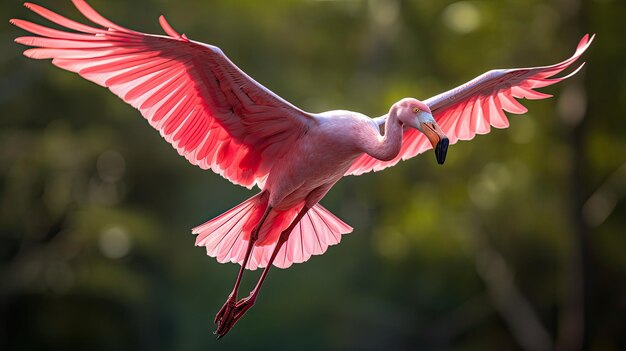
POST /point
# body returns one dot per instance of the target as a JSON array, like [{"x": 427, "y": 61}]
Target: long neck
[{"x": 385, "y": 144}]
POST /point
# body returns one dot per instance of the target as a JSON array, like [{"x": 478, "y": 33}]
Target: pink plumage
[
  {"x": 477, "y": 105},
  {"x": 219, "y": 118},
  {"x": 189, "y": 91},
  {"x": 225, "y": 236}
]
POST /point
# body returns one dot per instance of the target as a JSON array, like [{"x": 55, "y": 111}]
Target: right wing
[{"x": 476, "y": 106}]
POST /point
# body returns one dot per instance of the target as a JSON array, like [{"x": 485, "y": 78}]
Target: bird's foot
[
  {"x": 229, "y": 305},
  {"x": 230, "y": 313}
]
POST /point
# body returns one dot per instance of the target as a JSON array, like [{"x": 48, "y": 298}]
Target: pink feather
[
  {"x": 180, "y": 70},
  {"x": 225, "y": 237},
  {"x": 485, "y": 99}
]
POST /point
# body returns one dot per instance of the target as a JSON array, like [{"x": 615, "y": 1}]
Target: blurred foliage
[{"x": 516, "y": 243}]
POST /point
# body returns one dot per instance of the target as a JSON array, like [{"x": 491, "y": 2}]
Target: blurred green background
[{"x": 517, "y": 243}]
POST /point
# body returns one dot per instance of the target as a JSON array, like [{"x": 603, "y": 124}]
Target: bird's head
[{"x": 416, "y": 114}]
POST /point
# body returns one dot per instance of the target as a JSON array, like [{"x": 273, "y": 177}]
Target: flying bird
[{"x": 219, "y": 118}]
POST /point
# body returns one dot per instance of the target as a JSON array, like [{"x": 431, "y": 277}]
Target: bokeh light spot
[
  {"x": 572, "y": 104},
  {"x": 392, "y": 244},
  {"x": 462, "y": 17},
  {"x": 385, "y": 12},
  {"x": 114, "y": 242},
  {"x": 485, "y": 188}
]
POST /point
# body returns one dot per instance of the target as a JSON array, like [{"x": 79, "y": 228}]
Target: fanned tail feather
[
  {"x": 317, "y": 230},
  {"x": 226, "y": 236}
]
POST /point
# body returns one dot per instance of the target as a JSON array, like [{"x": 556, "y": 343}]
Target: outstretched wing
[
  {"x": 474, "y": 107},
  {"x": 208, "y": 109}
]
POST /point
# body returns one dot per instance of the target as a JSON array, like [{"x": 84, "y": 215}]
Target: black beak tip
[{"x": 441, "y": 150}]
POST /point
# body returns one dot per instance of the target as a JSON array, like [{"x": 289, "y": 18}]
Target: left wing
[
  {"x": 212, "y": 113},
  {"x": 474, "y": 107}
]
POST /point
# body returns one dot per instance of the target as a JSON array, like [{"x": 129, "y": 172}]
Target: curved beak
[{"x": 438, "y": 140}]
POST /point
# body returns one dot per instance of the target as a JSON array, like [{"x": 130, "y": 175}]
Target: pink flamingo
[{"x": 219, "y": 118}]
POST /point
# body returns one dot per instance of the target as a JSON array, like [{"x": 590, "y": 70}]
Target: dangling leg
[
  {"x": 227, "y": 311},
  {"x": 243, "y": 305}
]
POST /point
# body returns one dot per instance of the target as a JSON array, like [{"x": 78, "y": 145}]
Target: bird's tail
[{"x": 226, "y": 236}]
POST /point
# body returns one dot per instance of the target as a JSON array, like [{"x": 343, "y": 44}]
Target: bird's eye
[{"x": 416, "y": 109}]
